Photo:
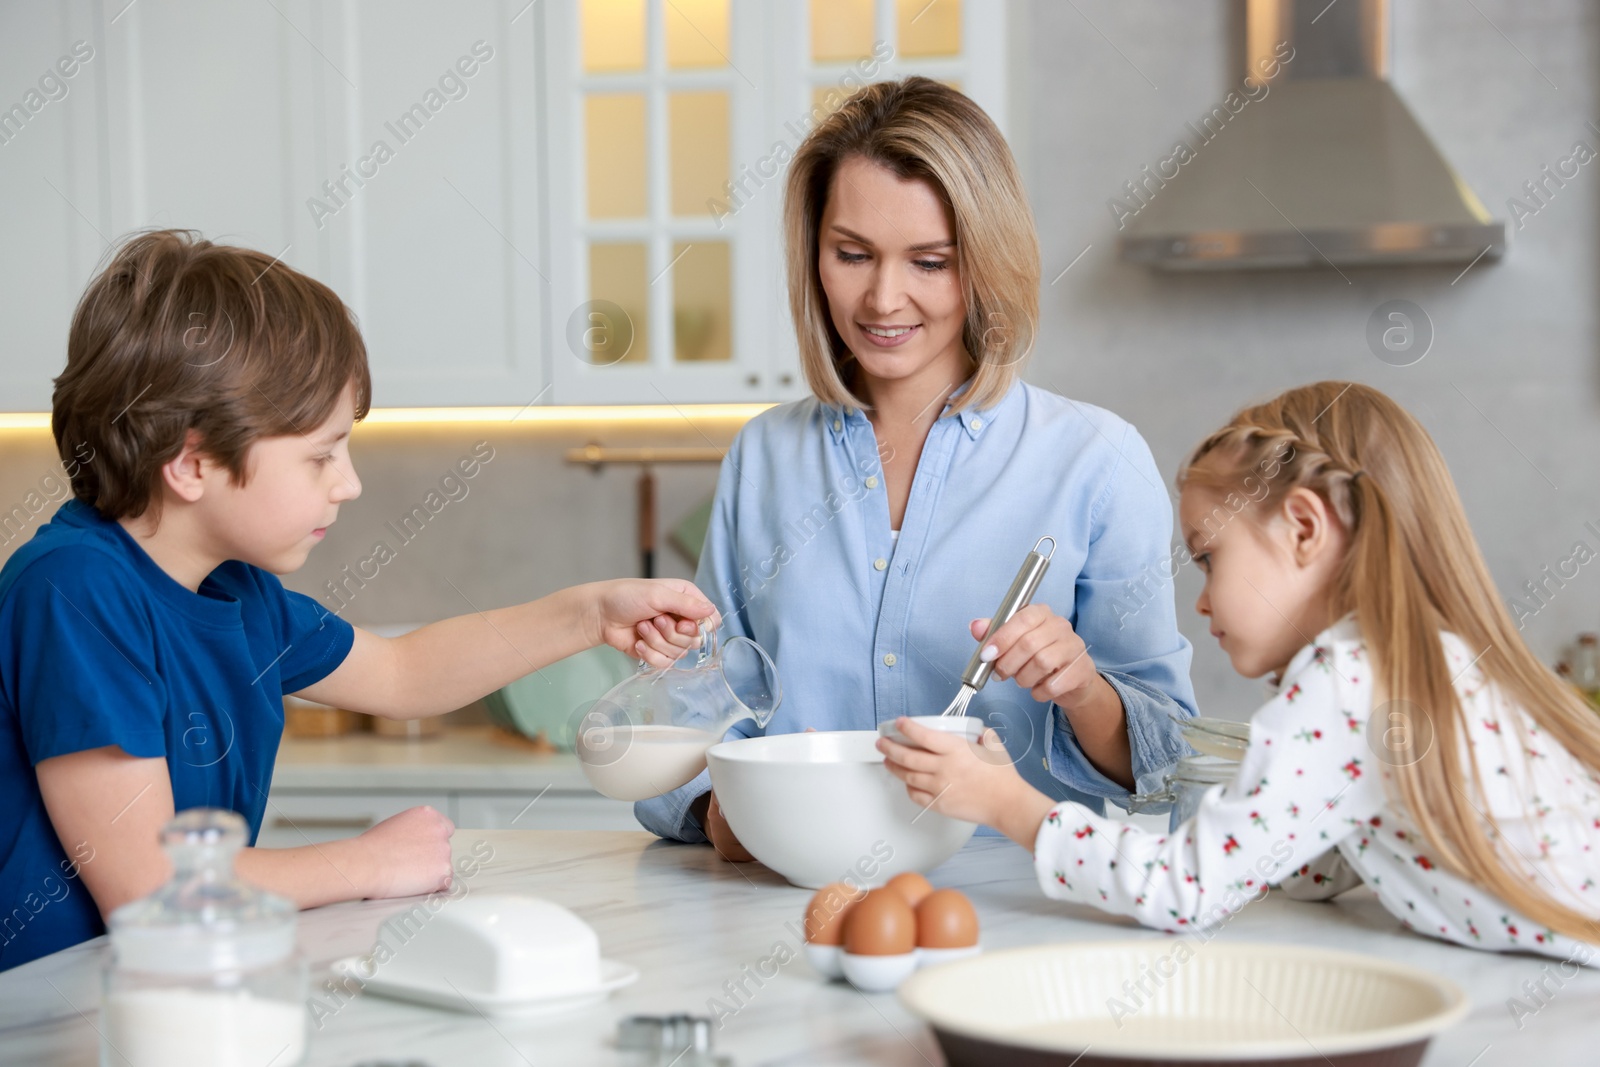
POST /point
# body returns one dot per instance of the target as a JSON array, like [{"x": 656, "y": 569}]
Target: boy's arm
[
  {"x": 451, "y": 663},
  {"x": 110, "y": 806},
  {"x": 405, "y": 855},
  {"x": 116, "y": 805}
]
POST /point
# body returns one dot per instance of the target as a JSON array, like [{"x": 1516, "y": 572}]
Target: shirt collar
[
  {"x": 211, "y": 603},
  {"x": 838, "y": 417}
]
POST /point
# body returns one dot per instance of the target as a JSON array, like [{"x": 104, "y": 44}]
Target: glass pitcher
[
  {"x": 204, "y": 971},
  {"x": 650, "y": 733}
]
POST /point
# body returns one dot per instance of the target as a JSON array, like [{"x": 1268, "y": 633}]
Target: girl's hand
[
  {"x": 1043, "y": 653},
  {"x": 971, "y": 781},
  {"x": 653, "y": 619},
  {"x": 405, "y": 855}
]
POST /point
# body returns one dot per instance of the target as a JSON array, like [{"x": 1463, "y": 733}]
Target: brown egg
[
  {"x": 883, "y": 924},
  {"x": 824, "y": 919},
  {"x": 910, "y": 885},
  {"x": 946, "y": 919}
]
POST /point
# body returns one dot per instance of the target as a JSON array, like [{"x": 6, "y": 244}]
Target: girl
[
  {"x": 1415, "y": 733},
  {"x": 857, "y": 531}
]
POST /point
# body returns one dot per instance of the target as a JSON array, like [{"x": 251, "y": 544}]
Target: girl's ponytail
[{"x": 1413, "y": 569}]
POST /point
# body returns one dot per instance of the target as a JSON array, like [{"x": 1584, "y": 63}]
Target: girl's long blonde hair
[
  {"x": 1413, "y": 569},
  {"x": 920, "y": 128}
]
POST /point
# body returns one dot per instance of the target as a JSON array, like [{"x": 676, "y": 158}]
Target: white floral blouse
[{"x": 1311, "y": 782}]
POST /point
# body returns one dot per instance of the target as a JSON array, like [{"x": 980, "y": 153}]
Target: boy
[{"x": 143, "y": 630}]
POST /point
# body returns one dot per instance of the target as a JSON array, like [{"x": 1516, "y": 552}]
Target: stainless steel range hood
[{"x": 1318, "y": 163}]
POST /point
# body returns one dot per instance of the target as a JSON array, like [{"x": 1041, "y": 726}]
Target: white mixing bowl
[{"x": 820, "y": 808}]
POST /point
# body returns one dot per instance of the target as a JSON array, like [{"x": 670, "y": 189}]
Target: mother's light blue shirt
[{"x": 865, "y": 628}]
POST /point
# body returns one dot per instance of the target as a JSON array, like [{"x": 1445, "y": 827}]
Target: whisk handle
[{"x": 1017, "y": 597}]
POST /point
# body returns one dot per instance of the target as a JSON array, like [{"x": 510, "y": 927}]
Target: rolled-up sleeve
[
  {"x": 668, "y": 815},
  {"x": 1125, "y": 613}
]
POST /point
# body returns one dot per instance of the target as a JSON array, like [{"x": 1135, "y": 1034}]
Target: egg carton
[
  {"x": 898, "y": 914},
  {"x": 879, "y": 974}
]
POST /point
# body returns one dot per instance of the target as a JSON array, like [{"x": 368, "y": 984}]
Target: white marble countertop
[
  {"x": 692, "y": 924},
  {"x": 461, "y": 758}
]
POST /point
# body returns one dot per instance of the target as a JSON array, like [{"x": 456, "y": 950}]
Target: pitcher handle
[
  {"x": 762, "y": 716},
  {"x": 708, "y": 642}
]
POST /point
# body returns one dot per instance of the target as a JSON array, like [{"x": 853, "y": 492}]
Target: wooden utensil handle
[{"x": 647, "y": 521}]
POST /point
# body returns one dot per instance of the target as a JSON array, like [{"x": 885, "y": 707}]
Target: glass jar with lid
[
  {"x": 204, "y": 971},
  {"x": 1185, "y": 785}
]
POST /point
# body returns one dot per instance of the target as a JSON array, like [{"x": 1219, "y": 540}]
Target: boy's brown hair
[{"x": 179, "y": 334}]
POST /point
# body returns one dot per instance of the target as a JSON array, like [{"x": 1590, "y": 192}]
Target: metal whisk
[{"x": 1017, "y": 597}]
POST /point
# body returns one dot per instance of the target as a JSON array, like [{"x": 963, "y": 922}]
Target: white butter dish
[
  {"x": 440, "y": 993},
  {"x": 495, "y": 953}
]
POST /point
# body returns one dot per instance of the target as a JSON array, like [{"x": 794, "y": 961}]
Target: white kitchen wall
[{"x": 1511, "y": 387}]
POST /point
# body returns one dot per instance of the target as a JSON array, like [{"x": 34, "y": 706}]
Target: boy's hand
[
  {"x": 1043, "y": 653},
  {"x": 405, "y": 855},
  {"x": 653, "y": 619},
  {"x": 971, "y": 781}
]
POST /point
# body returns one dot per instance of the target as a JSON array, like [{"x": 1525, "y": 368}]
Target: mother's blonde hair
[
  {"x": 1412, "y": 570},
  {"x": 921, "y": 129}
]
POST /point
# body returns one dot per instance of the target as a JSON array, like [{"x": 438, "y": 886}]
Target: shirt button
[
  {"x": 888, "y": 660},
  {"x": 872, "y": 481},
  {"x": 837, "y": 425},
  {"x": 879, "y": 564},
  {"x": 977, "y": 424}
]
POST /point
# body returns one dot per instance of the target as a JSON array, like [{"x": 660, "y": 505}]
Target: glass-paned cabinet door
[
  {"x": 652, "y": 102},
  {"x": 829, "y": 48},
  {"x": 671, "y": 124}
]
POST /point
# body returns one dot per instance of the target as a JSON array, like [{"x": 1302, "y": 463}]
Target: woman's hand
[
  {"x": 1046, "y": 656},
  {"x": 971, "y": 781},
  {"x": 1043, "y": 653},
  {"x": 653, "y": 619},
  {"x": 721, "y": 835}
]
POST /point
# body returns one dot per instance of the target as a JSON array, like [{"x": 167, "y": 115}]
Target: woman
[{"x": 857, "y": 532}]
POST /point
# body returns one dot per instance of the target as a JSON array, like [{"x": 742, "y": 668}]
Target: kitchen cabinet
[
  {"x": 424, "y": 214},
  {"x": 313, "y": 817},
  {"x": 675, "y": 124},
  {"x": 138, "y": 135},
  {"x": 484, "y": 182},
  {"x": 391, "y": 152},
  {"x": 554, "y": 810},
  {"x": 329, "y": 788}
]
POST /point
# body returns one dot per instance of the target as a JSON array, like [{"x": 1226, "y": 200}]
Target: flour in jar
[
  {"x": 199, "y": 1028},
  {"x": 638, "y": 762}
]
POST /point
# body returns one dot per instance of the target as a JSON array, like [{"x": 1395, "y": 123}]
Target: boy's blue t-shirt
[{"x": 99, "y": 646}]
